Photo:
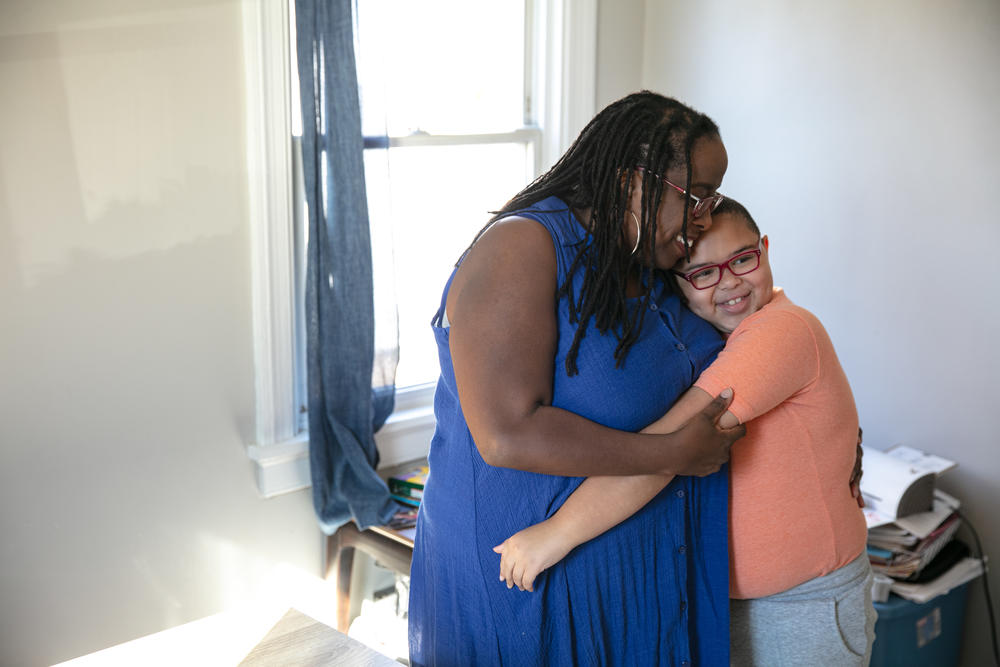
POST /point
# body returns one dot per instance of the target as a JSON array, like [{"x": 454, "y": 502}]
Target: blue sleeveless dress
[{"x": 654, "y": 590}]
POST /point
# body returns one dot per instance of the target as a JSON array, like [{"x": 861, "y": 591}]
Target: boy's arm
[
  {"x": 687, "y": 406},
  {"x": 599, "y": 503}
]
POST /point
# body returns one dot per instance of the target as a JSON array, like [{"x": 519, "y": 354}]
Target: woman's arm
[
  {"x": 597, "y": 505},
  {"x": 501, "y": 308}
]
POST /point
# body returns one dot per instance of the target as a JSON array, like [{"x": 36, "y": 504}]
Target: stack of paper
[
  {"x": 964, "y": 570},
  {"x": 904, "y": 547}
]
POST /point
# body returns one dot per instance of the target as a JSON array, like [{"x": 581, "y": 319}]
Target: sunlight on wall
[{"x": 133, "y": 170}]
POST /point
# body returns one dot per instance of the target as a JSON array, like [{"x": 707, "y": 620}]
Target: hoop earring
[{"x": 638, "y": 232}]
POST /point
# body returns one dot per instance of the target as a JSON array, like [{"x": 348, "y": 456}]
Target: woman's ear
[{"x": 766, "y": 243}]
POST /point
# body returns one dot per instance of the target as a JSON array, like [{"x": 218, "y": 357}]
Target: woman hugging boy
[{"x": 800, "y": 581}]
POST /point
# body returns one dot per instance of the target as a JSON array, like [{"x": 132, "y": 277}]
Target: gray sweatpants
[{"x": 829, "y": 620}]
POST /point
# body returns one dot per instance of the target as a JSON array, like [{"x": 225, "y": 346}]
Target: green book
[{"x": 409, "y": 485}]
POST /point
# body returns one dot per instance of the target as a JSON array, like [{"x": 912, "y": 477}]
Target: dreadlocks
[{"x": 642, "y": 129}]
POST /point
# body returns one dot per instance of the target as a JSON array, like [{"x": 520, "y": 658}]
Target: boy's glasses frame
[
  {"x": 701, "y": 204},
  {"x": 728, "y": 264}
]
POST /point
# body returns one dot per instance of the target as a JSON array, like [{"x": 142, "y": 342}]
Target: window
[
  {"x": 462, "y": 139},
  {"x": 476, "y": 98}
]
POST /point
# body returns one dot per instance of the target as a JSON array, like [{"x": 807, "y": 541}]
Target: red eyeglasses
[
  {"x": 700, "y": 205},
  {"x": 711, "y": 275}
]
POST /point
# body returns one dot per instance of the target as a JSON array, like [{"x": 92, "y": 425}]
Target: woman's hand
[
  {"x": 704, "y": 442},
  {"x": 527, "y": 553}
]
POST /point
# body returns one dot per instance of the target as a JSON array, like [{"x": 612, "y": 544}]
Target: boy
[{"x": 800, "y": 582}]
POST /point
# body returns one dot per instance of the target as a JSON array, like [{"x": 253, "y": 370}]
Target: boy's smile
[
  {"x": 735, "y": 305},
  {"x": 725, "y": 305}
]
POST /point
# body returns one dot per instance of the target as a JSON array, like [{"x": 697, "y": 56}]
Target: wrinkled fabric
[
  {"x": 344, "y": 410},
  {"x": 651, "y": 591}
]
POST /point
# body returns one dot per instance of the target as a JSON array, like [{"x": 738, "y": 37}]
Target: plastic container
[
  {"x": 908, "y": 634},
  {"x": 881, "y": 586}
]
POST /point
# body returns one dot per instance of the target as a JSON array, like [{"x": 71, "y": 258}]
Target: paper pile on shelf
[
  {"x": 964, "y": 570},
  {"x": 904, "y": 547},
  {"x": 917, "y": 550}
]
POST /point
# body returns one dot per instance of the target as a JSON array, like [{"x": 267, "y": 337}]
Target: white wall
[
  {"x": 864, "y": 139},
  {"x": 127, "y": 502},
  {"x": 619, "y": 49}
]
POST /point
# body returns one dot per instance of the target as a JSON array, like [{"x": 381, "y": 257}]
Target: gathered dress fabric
[{"x": 653, "y": 590}]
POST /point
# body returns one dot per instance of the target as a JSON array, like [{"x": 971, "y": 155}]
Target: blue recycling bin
[{"x": 908, "y": 634}]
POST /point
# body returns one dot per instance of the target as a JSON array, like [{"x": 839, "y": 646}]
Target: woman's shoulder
[
  {"x": 544, "y": 236},
  {"x": 515, "y": 255},
  {"x": 557, "y": 217},
  {"x": 515, "y": 238}
]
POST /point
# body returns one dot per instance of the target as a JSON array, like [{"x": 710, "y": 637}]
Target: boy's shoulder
[{"x": 782, "y": 311}]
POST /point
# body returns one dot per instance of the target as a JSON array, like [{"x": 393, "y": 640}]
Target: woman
[{"x": 559, "y": 337}]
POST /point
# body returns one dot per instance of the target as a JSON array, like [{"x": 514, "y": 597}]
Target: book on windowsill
[{"x": 408, "y": 487}]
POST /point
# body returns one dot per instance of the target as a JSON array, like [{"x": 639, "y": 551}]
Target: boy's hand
[{"x": 525, "y": 554}]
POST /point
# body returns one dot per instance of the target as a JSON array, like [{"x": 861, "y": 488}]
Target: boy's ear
[{"x": 766, "y": 243}]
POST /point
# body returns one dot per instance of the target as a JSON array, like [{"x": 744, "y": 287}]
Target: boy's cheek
[
  {"x": 703, "y": 310},
  {"x": 695, "y": 299}
]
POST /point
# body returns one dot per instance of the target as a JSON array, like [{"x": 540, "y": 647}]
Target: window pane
[
  {"x": 441, "y": 66},
  {"x": 437, "y": 198}
]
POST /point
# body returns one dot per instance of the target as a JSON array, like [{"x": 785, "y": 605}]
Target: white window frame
[{"x": 562, "y": 58}]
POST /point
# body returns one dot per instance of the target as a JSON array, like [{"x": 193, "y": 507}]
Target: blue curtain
[{"x": 344, "y": 408}]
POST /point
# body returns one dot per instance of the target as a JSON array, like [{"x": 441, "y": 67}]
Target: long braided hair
[{"x": 642, "y": 129}]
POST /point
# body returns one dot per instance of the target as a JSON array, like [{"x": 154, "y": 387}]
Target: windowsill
[{"x": 406, "y": 436}]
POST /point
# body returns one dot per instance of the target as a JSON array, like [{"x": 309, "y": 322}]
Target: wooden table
[
  {"x": 260, "y": 635},
  {"x": 389, "y": 547},
  {"x": 300, "y": 640}
]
